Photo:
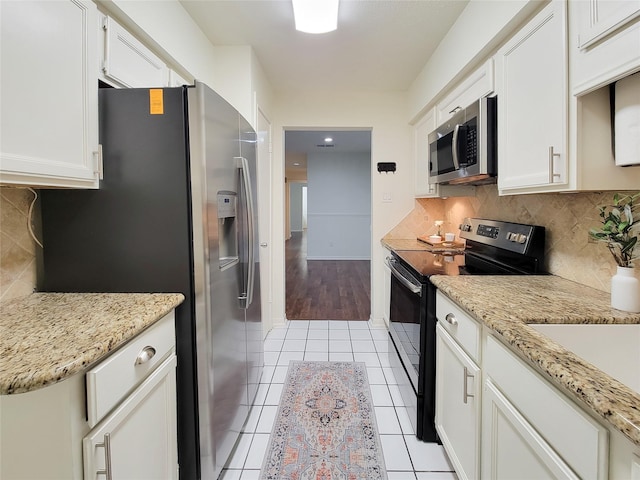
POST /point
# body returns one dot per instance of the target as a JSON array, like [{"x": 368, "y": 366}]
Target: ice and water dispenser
[{"x": 227, "y": 229}]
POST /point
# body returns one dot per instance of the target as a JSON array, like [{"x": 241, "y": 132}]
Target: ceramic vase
[{"x": 625, "y": 290}]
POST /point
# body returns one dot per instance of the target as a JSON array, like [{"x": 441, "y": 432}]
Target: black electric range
[{"x": 492, "y": 248}]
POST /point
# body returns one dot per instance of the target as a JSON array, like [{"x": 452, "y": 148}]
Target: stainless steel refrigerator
[{"x": 176, "y": 212}]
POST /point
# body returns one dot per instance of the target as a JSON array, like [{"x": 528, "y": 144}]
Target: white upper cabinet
[
  {"x": 49, "y": 91},
  {"x": 422, "y": 129},
  {"x": 604, "y": 41},
  {"x": 605, "y": 17},
  {"x": 531, "y": 84},
  {"x": 126, "y": 62},
  {"x": 478, "y": 84}
]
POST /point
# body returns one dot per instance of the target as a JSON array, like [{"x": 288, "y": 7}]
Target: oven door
[{"x": 405, "y": 318}]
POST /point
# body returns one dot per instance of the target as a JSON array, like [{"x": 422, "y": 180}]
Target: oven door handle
[{"x": 416, "y": 289}]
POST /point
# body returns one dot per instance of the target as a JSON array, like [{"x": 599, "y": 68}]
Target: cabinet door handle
[
  {"x": 455, "y": 109},
  {"x": 552, "y": 175},
  {"x": 146, "y": 354},
  {"x": 106, "y": 443},
  {"x": 465, "y": 390},
  {"x": 451, "y": 318}
]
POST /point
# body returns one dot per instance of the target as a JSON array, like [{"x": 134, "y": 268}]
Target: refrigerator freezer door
[{"x": 220, "y": 332}]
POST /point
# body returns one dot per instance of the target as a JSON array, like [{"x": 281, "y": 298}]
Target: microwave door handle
[{"x": 454, "y": 149}]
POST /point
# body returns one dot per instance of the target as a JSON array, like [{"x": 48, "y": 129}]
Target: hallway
[{"x": 322, "y": 289}]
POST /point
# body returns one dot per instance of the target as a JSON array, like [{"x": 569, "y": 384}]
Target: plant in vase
[{"x": 620, "y": 231}]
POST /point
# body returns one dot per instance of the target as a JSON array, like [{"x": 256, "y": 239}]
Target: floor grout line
[{"x": 231, "y": 474}]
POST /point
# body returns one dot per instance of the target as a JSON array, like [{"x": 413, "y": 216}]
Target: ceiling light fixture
[{"x": 315, "y": 16}]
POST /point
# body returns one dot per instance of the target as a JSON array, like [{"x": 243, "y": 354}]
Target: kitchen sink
[{"x": 613, "y": 348}]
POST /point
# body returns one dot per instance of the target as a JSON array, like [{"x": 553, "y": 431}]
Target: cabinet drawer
[
  {"x": 579, "y": 440},
  {"x": 460, "y": 325},
  {"x": 110, "y": 381}
]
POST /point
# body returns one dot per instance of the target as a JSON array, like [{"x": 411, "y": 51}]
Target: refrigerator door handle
[{"x": 244, "y": 169}]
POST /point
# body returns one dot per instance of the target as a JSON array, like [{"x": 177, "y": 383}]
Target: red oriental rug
[{"x": 325, "y": 428}]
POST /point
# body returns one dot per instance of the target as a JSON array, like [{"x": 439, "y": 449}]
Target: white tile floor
[{"x": 406, "y": 457}]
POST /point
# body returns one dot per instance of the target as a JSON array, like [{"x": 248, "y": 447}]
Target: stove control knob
[
  {"x": 521, "y": 238},
  {"x": 511, "y": 236}
]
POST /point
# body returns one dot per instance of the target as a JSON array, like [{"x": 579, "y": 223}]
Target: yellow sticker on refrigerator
[{"x": 156, "y": 101}]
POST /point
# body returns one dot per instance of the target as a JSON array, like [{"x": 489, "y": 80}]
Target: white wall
[
  {"x": 391, "y": 141},
  {"x": 232, "y": 78},
  {"x": 295, "y": 210},
  {"x": 339, "y": 206}
]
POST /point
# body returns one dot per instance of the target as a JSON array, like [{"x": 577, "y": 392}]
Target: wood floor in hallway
[{"x": 325, "y": 289}]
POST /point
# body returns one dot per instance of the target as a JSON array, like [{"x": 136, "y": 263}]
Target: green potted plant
[{"x": 620, "y": 231}]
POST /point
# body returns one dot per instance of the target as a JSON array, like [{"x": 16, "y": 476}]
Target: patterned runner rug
[{"x": 325, "y": 428}]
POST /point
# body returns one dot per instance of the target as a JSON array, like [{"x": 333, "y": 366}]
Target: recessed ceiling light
[
  {"x": 315, "y": 16},
  {"x": 328, "y": 140}
]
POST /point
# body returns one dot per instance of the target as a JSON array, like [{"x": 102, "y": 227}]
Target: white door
[
  {"x": 511, "y": 447},
  {"x": 532, "y": 103},
  {"x": 49, "y": 91},
  {"x": 458, "y": 405},
  {"x": 139, "y": 439},
  {"x": 264, "y": 216}
]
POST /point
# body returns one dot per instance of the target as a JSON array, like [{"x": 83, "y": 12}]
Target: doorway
[{"x": 328, "y": 237}]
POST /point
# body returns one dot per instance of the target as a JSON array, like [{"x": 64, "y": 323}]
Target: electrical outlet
[{"x": 386, "y": 197}]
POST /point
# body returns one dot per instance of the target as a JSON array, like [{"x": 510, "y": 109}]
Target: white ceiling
[{"x": 380, "y": 45}]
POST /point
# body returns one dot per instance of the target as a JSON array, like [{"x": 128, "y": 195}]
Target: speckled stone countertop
[
  {"x": 507, "y": 304},
  {"x": 47, "y": 337}
]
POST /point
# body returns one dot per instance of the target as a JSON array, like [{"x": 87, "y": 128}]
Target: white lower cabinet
[
  {"x": 557, "y": 436},
  {"x": 51, "y": 433},
  {"x": 498, "y": 418},
  {"x": 386, "y": 310},
  {"x": 138, "y": 440},
  {"x": 511, "y": 446},
  {"x": 458, "y": 405}
]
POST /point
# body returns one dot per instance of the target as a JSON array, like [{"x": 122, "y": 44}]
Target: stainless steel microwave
[{"x": 464, "y": 148}]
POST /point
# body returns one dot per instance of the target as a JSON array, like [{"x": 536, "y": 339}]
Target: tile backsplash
[
  {"x": 17, "y": 248},
  {"x": 567, "y": 219}
]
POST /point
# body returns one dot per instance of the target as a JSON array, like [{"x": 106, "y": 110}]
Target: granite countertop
[
  {"x": 47, "y": 337},
  {"x": 507, "y": 304}
]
